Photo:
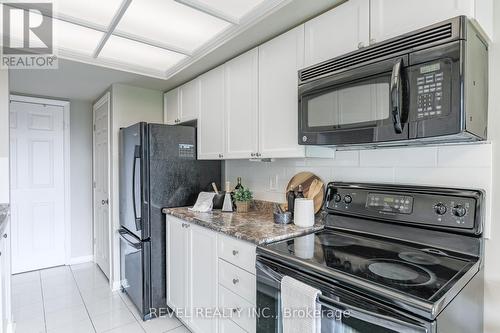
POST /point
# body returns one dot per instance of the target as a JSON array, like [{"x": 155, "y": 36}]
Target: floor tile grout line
[
  {"x": 43, "y": 301},
  {"x": 81, "y": 296},
  {"x": 128, "y": 308}
]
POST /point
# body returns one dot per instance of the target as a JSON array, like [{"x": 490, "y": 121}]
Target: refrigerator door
[
  {"x": 134, "y": 279},
  {"x": 176, "y": 178},
  {"x": 134, "y": 215}
]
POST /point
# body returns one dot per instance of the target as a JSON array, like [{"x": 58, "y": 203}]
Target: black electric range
[{"x": 413, "y": 254}]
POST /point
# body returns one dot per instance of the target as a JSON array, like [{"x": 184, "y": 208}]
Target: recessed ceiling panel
[
  {"x": 125, "y": 51},
  {"x": 232, "y": 8},
  {"x": 76, "y": 38},
  {"x": 170, "y": 23},
  {"x": 99, "y": 12}
]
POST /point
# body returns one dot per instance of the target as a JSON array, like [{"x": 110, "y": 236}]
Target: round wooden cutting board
[{"x": 312, "y": 185}]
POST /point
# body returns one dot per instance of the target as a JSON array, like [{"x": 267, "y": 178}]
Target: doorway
[
  {"x": 40, "y": 180},
  {"x": 101, "y": 172}
]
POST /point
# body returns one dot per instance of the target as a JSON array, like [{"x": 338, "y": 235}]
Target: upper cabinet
[
  {"x": 182, "y": 104},
  {"x": 390, "y": 18},
  {"x": 279, "y": 61},
  {"x": 241, "y": 107},
  {"x": 341, "y": 30},
  {"x": 211, "y": 129}
]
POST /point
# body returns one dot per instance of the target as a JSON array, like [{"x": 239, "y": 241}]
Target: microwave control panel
[{"x": 430, "y": 87}]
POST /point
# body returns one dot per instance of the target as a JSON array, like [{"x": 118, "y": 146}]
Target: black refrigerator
[{"x": 158, "y": 168}]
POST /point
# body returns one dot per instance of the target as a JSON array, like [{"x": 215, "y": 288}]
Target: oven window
[
  {"x": 330, "y": 323},
  {"x": 361, "y": 102}
]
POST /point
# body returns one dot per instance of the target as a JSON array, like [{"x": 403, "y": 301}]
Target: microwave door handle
[
  {"x": 397, "y": 95},
  {"x": 137, "y": 219}
]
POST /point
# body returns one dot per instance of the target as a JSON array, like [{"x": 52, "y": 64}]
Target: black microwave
[{"x": 427, "y": 86}]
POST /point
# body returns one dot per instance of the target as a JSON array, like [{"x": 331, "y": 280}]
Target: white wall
[
  {"x": 81, "y": 180},
  {"x": 492, "y": 267},
  {"x": 4, "y": 136},
  {"x": 129, "y": 105}
]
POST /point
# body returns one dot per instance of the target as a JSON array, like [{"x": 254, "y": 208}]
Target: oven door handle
[
  {"x": 397, "y": 95},
  {"x": 371, "y": 317}
]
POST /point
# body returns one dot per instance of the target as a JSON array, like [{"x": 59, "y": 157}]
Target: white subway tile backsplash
[
  {"x": 342, "y": 158},
  {"x": 363, "y": 175},
  {"x": 471, "y": 155},
  {"x": 399, "y": 157}
]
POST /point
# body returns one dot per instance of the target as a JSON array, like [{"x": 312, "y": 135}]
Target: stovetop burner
[
  {"x": 386, "y": 262},
  {"x": 399, "y": 272},
  {"x": 419, "y": 258}
]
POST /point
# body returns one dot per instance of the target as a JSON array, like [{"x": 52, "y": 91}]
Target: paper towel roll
[{"x": 303, "y": 213}]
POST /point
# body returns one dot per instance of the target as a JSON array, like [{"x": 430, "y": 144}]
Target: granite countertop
[
  {"x": 4, "y": 213},
  {"x": 256, "y": 226}
]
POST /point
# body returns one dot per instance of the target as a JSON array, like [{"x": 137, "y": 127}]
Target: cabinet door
[
  {"x": 390, "y": 18},
  {"x": 177, "y": 263},
  {"x": 203, "y": 277},
  {"x": 190, "y": 100},
  {"x": 241, "y": 86},
  {"x": 211, "y": 121},
  {"x": 171, "y": 106},
  {"x": 279, "y": 61},
  {"x": 341, "y": 30}
]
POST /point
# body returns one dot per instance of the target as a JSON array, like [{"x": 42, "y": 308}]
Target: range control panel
[{"x": 438, "y": 207}]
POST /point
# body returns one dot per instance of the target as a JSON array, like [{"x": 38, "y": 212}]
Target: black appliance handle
[
  {"x": 397, "y": 95},
  {"x": 379, "y": 319},
  {"x": 137, "y": 219},
  {"x": 124, "y": 234}
]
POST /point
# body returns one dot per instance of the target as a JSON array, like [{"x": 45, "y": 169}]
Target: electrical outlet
[{"x": 273, "y": 182}]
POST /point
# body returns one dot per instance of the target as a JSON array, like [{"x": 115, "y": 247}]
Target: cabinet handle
[
  {"x": 238, "y": 309},
  {"x": 187, "y": 225},
  {"x": 236, "y": 281},
  {"x": 235, "y": 252},
  {"x": 252, "y": 154},
  {"x": 4, "y": 235},
  {"x": 258, "y": 154}
]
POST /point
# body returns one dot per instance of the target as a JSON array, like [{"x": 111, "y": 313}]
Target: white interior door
[
  {"x": 37, "y": 186},
  {"x": 101, "y": 185}
]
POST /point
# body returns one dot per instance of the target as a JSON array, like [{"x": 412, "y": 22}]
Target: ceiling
[
  {"x": 80, "y": 79},
  {"x": 157, "y": 34}
]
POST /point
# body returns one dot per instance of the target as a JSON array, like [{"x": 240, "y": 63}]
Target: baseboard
[
  {"x": 81, "y": 260},
  {"x": 117, "y": 285}
]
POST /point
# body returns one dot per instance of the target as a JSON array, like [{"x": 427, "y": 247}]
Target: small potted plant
[{"x": 243, "y": 197}]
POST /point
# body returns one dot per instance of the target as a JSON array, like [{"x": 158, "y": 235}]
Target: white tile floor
[{"x": 77, "y": 299}]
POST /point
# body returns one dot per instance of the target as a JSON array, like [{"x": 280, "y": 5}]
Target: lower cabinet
[
  {"x": 208, "y": 281},
  {"x": 5, "y": 274}
]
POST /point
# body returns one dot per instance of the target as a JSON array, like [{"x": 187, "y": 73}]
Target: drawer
[
  {"x": 237, "y": 252},
  {"x": 238, "y": 281},
  {"x": 242, "y": 311},
  {"x": 228, "y": 326}
]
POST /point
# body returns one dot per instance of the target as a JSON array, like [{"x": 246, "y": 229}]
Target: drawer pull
[
  {"x": 238, "y": 309},
  {"x": 235, "y": 281},
  {"x": 235, "y": 252}
]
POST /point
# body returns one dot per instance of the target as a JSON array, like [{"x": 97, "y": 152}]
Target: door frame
[
  {"x": 67, "y": 161},
  {"x": 103, "y": 99}
]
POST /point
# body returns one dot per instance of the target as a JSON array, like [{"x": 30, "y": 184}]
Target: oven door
[
  {"x": 364, "y": 105},
  {"x": 342, "y": 311}
]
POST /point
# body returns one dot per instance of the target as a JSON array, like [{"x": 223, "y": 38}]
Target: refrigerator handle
[
  {"x": 124, "y": 235},
  {"x": 137, "y": 219}
]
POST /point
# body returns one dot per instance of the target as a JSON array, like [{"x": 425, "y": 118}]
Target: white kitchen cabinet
[
  {"x": 171, "y": 106},
  {"x": 192, "y": 273},
  {"x": 5, "y": 276},
  {"x": 203, "y": 277},
  {"x": 211, "y": 127},
  {"x": 343, "y": 29},
  {"x": 241, "y": 107},
  {"x": 279, "y": 62},
  {"x": 390, "y": 18},
  {"x": 182, "y": 104},
  {"x": 177, "y": 264},
  {"x": 189, "y": 95}
]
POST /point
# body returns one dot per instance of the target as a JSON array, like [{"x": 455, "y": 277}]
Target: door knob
[
  {"x": 235, "y": 281},
  {"x": 105, "y": 202},
  {"x": 235, "y": 252}
]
